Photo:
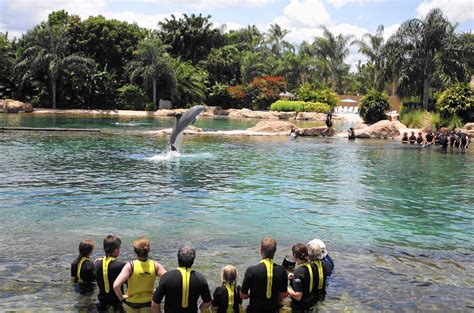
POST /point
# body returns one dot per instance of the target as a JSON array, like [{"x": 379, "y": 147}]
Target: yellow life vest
[
  {"x": 319, "y": 265},
  {"x": 230, "y": 296},
  {"x": 310, "y": 270},
  {"x": 79, "y": 266},
  {"x": 105, "y": 271},
  {"x": 141, "y": 282},
  {"x": 186, "y": 275},
  {"x": 269, "y": 266}
]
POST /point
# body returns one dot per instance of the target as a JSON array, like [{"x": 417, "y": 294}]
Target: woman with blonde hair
[
  {"x": 141, "y": 274},
  {"x": 226, "y": 298}
]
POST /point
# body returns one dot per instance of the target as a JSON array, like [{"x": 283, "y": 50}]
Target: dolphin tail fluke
[{"x": 173, "y": 148}]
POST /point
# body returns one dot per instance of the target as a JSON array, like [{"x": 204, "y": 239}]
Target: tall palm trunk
[
  {"x": 154, "y": 91},
  {"x": 426, "y": 90},
  {"x": 53, "y": 90}
]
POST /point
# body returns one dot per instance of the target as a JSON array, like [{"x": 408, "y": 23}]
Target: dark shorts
[{"x": 103, "y": 306}]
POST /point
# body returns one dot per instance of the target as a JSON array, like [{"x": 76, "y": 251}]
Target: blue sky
[{"x": 302, "y": 17}]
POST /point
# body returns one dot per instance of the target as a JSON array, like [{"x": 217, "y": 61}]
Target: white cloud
[
  {"x": 307, "y": 13},
  {"x": 143, "y": 20},
  {"x": 456, "y": 10},
  {"x": 340, "y": 3},
  {"x": 389, "y": 31}
]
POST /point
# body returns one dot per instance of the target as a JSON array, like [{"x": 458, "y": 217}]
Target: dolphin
[{"x": 183, "y": 121}]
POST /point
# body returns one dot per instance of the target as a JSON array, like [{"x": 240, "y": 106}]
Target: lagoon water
[{"x": 398, "y": 220}]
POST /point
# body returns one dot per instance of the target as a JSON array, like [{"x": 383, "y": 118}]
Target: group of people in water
[
  {"x": 445, "y": 139},
  {"x": 303, "y": 277}
]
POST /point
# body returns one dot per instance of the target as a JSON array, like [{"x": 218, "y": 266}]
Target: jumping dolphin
[{"x": 183, "y": 121}]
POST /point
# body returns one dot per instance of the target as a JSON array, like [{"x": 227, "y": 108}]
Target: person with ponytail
[
  {"x": 140, "y": 274},
  {"x": 226, "y": 298},
  {"x": 82, "y": 269},
  {"x": 302, "y": 281}
]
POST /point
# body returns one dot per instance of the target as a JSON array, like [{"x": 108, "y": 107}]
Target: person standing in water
[
  {"x": 182, "y": 287},
  {"x": 226, "y": 298},
  {"x": 405, "y": 138},
  {"x": 106, "y": 271},
  {"x": 412, "y": 138},
  {"x": 82, "y": 269},
  {"x": 141, "y": 275},
  {"x": 351, "y": 134},
  {"x": 265, "y": 283}
]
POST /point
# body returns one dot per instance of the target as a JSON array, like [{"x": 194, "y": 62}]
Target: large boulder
[
  {"x": 273, "y": 127},
  {"x": 14, "y": 106},
  {"x": 317, "y": 131},
  {"x": 381, "y": 129},
  {"x": 469, "y": 126},
  {"x": 313, "y": 116}
]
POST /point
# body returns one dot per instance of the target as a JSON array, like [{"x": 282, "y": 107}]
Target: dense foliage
[
  {"x": 457, "y": 100},
  {"x": 372, "y": 107},
  {"x": 131, "y": 97},
  {"x": 74, "y": 63},
  {"x": 299, "y": 106}
]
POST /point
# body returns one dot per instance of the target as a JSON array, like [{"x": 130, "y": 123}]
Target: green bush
[
  {"x": 324, "y": 95},
  {"x": 372, "y": 107},
  {"x": 457, "y": 100},
  {"x": 421, "y": 119},
  {"x": 131, "y": 97},
  {"x": 299, "y": 106},
  {"x": 316, "y": 107},
  {"x": 150, "y": 106}
]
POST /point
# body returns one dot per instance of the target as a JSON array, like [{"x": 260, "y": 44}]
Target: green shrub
[
  {"x": 150, "y": 106},
  {"x": 457, "y": 100},
  {"x": 411, "y": 118},
  {"x": 372, "y": 107},
  {"x": 453, "y": 122},
  {"x": 316, "y": 107},
  {"x": 131, "y": 97},
  {"x": 324, "y": 95},
  {"x": 299, "y": 106}
]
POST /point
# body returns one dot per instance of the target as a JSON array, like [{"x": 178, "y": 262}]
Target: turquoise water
[{"x": 397, "y": 219}]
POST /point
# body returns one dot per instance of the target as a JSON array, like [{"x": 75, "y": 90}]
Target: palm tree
[
  {"x": 190, "y": 83},
  {"x": 424, "y": 47},
  {"x": 373, "y": 49},
  {"x": 278, "y": 46},
  {"x": 151, "y": 63},
  {"x": 333, "y": 50},
  {"x": 49, "y": 54}
]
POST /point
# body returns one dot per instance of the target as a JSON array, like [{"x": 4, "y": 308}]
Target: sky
[{"x": 303, "y": 18}]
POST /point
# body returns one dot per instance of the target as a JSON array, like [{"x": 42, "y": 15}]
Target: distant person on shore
[
  {"x": 141, "y": 275},
  {"x": 412, "y": 138},
  {"x": 430, "y": 138},
  {"x": 265, "y": 283},
  {"x": 405, "y": 138},
  {"x": 419, "y": 139},
  {"x": 302, "y": 281},
  {"x": 324, "y": 266},
  {"x": 351, "y": 134},
  {"x": 226, "y": 298},
  {"x": 106, "y": 272},
  {"x": 82, "y": 269},
  {"x": 182, "y": 287}
]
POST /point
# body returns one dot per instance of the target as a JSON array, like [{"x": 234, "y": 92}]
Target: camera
[{"x": 288, "y": 263}]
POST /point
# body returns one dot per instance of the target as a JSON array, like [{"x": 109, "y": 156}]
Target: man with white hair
[{"x": 319, "y": 256}]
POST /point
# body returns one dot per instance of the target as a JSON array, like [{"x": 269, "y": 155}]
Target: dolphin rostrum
[{"x": 183, "y": 121}]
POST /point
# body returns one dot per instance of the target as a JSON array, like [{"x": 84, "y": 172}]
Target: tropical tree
[
  {"x": 422, "y": 47},
  {"x": 223, "y": 65},
  {"x": 190, "y": 37},
  {"x": 332, "y": 50},
  {"x": 276, "y": 44},
  {"x": 246, "y": 39},
  {"x": 48, "y": 54},
  {"x": 151, "y": 64},
  {"x": 372, "y": 46},
  {"x": 190, "y": 84},
  {"x": 7, "y": 62}
]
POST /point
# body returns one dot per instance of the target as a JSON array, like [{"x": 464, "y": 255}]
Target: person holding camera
[{"x": 303, "y": 281}]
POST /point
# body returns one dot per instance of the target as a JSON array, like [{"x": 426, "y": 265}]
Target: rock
[
  {"x": 14, "y": 106},
  {"x": 382, "y": 129},
  {"x": 361, "y": 126},
  {"x": 166, "y": 112},
  {"x": 317, "y": 131},
  {"x": 469, "y": 126},
  {"x": 273, "y": 127},
  {"x": 362, "y": 133},
  {"x": 311, "y": 116},
  {"x": 399, "y": 125}
]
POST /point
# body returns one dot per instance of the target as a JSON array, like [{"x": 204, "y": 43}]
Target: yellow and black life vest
[
  {"x": 269, "y": 266},
  {"x": 79, "y": 267},
  {"x": 319, "y": 265},
  {"x": 230, "y": 296},
  {"x": 141, "y": 282},
  {"x": 105, "y": 271},
  {"x": 186, "y": 277}
]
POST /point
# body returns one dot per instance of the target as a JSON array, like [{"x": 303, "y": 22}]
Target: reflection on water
[{"x": 396, "y": 219}]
